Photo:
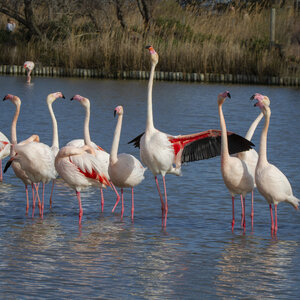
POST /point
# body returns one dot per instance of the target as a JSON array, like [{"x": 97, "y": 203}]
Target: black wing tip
[
  {"x": 136, "y": 140},
  {"x": 7, "y": 166}
]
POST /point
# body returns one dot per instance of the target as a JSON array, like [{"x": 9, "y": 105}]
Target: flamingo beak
[
  {"x": 228, "y": 95},
  {"x": 115, "y": 112},
  {"x": 62, "y": 95}
]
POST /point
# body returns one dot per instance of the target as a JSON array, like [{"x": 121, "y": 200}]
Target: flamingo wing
[
  {"x": 136, "y": 140},
  {"x": 206, "y": 144}
]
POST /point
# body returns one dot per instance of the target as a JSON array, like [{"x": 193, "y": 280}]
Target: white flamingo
[
  {"x": 4, "y": 150},
  {"x": 101, "y": 155},
  {"x": 270, "y": 181},
  {"x": 250, "y": 158},
  {"x": 29, "y": 66},
  {"x": 78, "y": 167},
  {"x": 163, "y": 153},
  {"x": 19, "y": 172},
  {"x": 37, "y": 159},
  {"x": 236, "y": 175},
  {"x": 124, "y": 169}
]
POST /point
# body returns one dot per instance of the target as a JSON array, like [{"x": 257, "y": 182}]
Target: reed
[{"x": 191, "y": 40}]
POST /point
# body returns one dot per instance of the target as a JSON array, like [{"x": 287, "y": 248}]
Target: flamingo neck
[
  {"x": 224, "y": 141},
  {"x": 86, "y": 130},
  {"x": 263, "y": 139},
  {"x": 115, "y": 145},
  {"x": 55, "y": 142},
  {"x": 253, "y": 126},
  {"x": 149, "y": 124},
  {"x": 14, "y": 140}
]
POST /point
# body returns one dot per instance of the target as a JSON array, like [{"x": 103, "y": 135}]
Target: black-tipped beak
[
  {"x": 252, "y": 97},
  {"x": 72, "y": 98},
  {"x": 228, "y": 95},
  {"x": 62, "y": 95},
  {"x": 147, "y": 47},
  {"x": 7, "y": 165},
  {"x": 115, "y": 112},
  {"x": 4, "y": 98}
]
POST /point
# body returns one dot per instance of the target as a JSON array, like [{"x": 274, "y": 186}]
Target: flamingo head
[
  {"x": 82, "y": 100},
  {"x": 53, "y": 96},
  {"x": 14, "y": 99},
  {"x": 262, "y": 101},
  {"x": 223, "y": 96},
  {"x": 118, "y": 110},
  {"x": 154, "y": 55}
]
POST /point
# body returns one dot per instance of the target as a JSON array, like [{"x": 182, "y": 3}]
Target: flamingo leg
[
  {"x": 27, "y": 199},
  {"x": 80, "y": 206},
  {"x": 233, "y": 220},
  {"x": 166, "y": 201},
  {"x": 252, "y": 209},
  {"x": 36, "y": 186},
  {"x": 50, "y": 201},
  {"x": 43, "y": 200},
  {"x": 132, "y": 203},
  {"x": 118, "y": 198},
  {"x": 275, "y": 205},
  {"x": 244, "y": 224},
  {"x": 161, "y": 198},
  {"x": 272, "y": 221},
  {"x": 122, "y": 196},
  {"x": 33, "y": 200},
  {"x": 243, "y": 209},
  {"x": 102, "y": 199}
]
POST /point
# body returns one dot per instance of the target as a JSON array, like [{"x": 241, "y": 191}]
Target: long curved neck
[
  {"x": 116, "y": 140},
  {"x": 224, "y": 141},
  {"x": 55, "y": 142},
  {"x": 263, "y": 138},
  {"x": 149, "y": 124},
  {"x": 253, "y": 126},
  {"x": 14, "y": 140},
  {"x": 86, "y": 129}
]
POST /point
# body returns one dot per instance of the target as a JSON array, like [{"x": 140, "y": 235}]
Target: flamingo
[
  {"x": 36, "y": 158},
  {"x": 271, "y": 183},
  {"x": 29, "y": 66},
  {"x": 235, "y": 173},
  {"x": 101, "y": 155},
  {"x": 250, "y": 158},
  {"x": 4, "y": 150},
  {"x": 78, "y": 166},
  {"x": 124, "y": 169},
  {"x": 19, "y": 172},
  {"x": 163, "y": 153}
]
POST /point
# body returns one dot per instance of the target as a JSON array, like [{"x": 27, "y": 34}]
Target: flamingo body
[
  {"x": 29, "y": 66},
  {"x": 4, "y": 150}
]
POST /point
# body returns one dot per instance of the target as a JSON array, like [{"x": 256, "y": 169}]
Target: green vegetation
[{"x": 111, "y": 36}]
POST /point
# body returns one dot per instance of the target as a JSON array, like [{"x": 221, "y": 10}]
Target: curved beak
[
  {"x": 228, "y": 95},
  {"x": 115, "y": 112}
]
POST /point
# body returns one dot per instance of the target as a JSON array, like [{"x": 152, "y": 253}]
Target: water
[{"x": 196, "y": 256}]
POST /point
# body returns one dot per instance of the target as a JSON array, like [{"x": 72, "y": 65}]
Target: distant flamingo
[
  {"x": 78, "y": 167},
  {"x": 163, "y": 153},
  {"x": 236, "y": 175},
  {"x": 37, "y": 159},
  {"x": 20, "y": 173},
  {"x": 29, "y": 66},
  {"x": 270, "y": 181},
  {"x": 124, "y": 169},
  {"x": 4, "y": 150},
  {"x": 101, "y": 155},
  {"x": 250, "y": 158}
]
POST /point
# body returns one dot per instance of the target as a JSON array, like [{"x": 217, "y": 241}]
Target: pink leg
[
  {"x": 50, "y": 201},
  {"x": 122, "y": 196},
  {"x": 252, "y": 209},
  {"x": 80, "y": 207},
  {"x": 102, "y": 199},
  {"x": 272, "y": 221},
  {"x": 33, "y": 200},
  {"x": 233, "y": 220},
  {"x": 275, "y": 205},
  {"x": 36, "y": 186},
  {"x": 166, "y": 201},
  {"x": 43, "y": 200},
  {"x": 243, "y": 216},
  {"x": 118, "y": 198},
  {"x": 27, "y": 199},
  {"x": 132, "y": 204},
  {"x": 161, "y": 198},
  {"x": 244, "y": 224}
]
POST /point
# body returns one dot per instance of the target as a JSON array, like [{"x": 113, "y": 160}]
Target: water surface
[{"x": 196, "y": 256}]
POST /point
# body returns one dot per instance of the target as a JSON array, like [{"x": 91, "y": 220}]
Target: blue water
[{"x": 196, "y": 256}]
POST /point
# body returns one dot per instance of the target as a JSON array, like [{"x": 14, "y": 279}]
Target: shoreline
[{"x": 159, "y": 75}]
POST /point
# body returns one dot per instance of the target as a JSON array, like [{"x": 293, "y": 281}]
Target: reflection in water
[{"x": 255, "y": 268}]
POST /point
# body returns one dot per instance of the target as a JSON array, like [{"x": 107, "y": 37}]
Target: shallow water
[{"x": 197, "y": 255}]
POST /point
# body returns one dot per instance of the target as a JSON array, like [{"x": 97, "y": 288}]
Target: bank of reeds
[{"x": 188, "y": 40}]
